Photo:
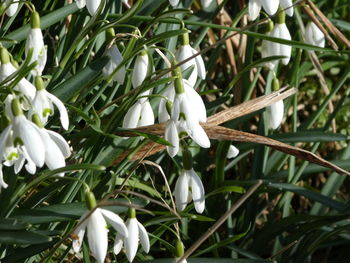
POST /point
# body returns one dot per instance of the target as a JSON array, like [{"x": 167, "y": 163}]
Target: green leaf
[{"x": 22, "y": 237}]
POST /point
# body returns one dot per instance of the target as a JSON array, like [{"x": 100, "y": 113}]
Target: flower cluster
[
  {"x": 24, "y": 141},
  {"x": 94, "y": 220}
]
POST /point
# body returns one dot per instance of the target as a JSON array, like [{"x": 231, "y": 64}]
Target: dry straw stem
[
  {"x": 222, "y": 133},
  {"x": 334, "y": 30},
  {"x": 220, "y": 221}
]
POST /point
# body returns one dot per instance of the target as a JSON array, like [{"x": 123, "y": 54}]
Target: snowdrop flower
[
  {"x": 275, "y": 113},
  {"x": 232, "y": 152},
  {"x": 97, "y": 231},
  {"x": 115, "y": 58},
  {"x": 6, "y": 69},
  {"x": 26, "y": 137},
  {"x": 314, "y": 36},
  {"x": 140, "y": 114},
  {"x": 174, "y": 2},
  {"x": 140, "y": 69},
  {"x": 92, "y": 5},
  {"x": 287, "y": 6},
  {"x": 35, "y": 41},
  {"x": 43, "y": 104},
  {"x": 189, "y": 186},
  {"x": 172, "y": 136},
  {"x": 269, "y": 48},
  {"x": 136, "y": 233},
  {"x": 254, "y": 7},
  {"x": 184, "y": 52},
  {"x": 55, "y": 146},
  {"x": 12, "y": 7}
]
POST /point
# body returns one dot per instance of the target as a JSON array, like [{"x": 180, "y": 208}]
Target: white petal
[
  {"x": 30, "y": 166},
  {"x": 254, "y": 7},
  {"x": 198, "y": 104},
  {"x": 200, "y": 137},
  {"x": 116, "y": 222},
  {"x": 147, "y": 116},
  {"x": 171, "y": 135},
  {"x": 198, "y": 195},
  {"x": 2, "y": 182},
  {"x": 19, "y": 164},
  {"x": 132, "y": 117},
  {"x": 41, "y": 61},
  {"x": 181, "y": 191},
  {"x": 12, "y": 9},
  {"x": 140, "y": 70},
  {"x": 26, "y": 88},
  {"x": 200, "y": 64},
  {"x": 3, "y": 138},
  {"x": 61, "y": 143},
  {"x": 232, "y": 152},
  {"x": 286, "y": 50},
  {"x": 97, "y": 235},
  {"x": 276, "y": 112},
  {"x": 285, "y": 4},
  {"x": 61, "y": 108},
  {"x": 80, "y": 3},
  {"x": 79, "y": 233},
  {"x": 32, "y": 140},
  {"x": 270, "y": 6},
  {"x": 174, "y": 2},
  {"x": 54, "y": 158},
  {"x": 183, "y": 53},
  {"x": 144, "y": 240},
  {"x": 131, "y": 243},
  {"x": 118, "y": 244},
  {"x": 35, "y": 41},
  {"x": 314, "y": 36},
  {"x": 92, "y": 6}
]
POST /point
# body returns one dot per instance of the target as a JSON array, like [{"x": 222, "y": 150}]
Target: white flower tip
[{"x": 232, "y": 152}]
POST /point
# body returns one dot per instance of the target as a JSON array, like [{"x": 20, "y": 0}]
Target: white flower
[
  {"x": 174, "y": 2},
  {"x": 140, "y": 70},
  {"x": 275, "y": 113},
  {"x": 92, "y": 5},
  {"x": 115, "y": 58},
  {"x": 80, "y": 3},
  {"x": 172, "y": 136},
  {"x": 140, "y": 114},
  {"x": 189, "y": 187},
  {"x": 232, "y": 152},
  {"x": 97, "y": 232},
  {"x": 254, "y": 7},
  {"x": 35, "y": 41},
  {"x": 183, "y": 53},
  {"x": 313, "y": 35},
  {"x": 43, "y": 104},
  {"x": 136, "y": 233},
  {"x": 12, "y": 7},
  {"x": 276, "y": 49}
]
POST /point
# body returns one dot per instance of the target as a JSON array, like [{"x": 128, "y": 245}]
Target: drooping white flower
[
  {"x": 140, "y": 69},
  {"x": 12, "y": 7},
  {"x": 232, "y": 152},
  {"x": 174, "y": 2},
  {"x": 275, "y": 114},
  {"x": 115, "y": 58},
  {"x": 254, "y": 7},
  {"x": 172, "y": 136},
  {"x": 270, "y": 48},
  {"x": 6, "y": 69},
  {"x": 189, "y": 187},
  {"x": 43, "y": 104},
  {"x": 80, "y": 3},
  {"x": 35, "y": 42},
  {"x": 139, "y": 115},
  {"x": 97, "y": 231},
  {"x": 184, "y": 52},
  {"x": 136, "y": 233},
  {"x": 314, "y": 36}
]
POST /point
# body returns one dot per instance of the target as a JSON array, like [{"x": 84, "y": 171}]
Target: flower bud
[{"x": 90, "y": 200}]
